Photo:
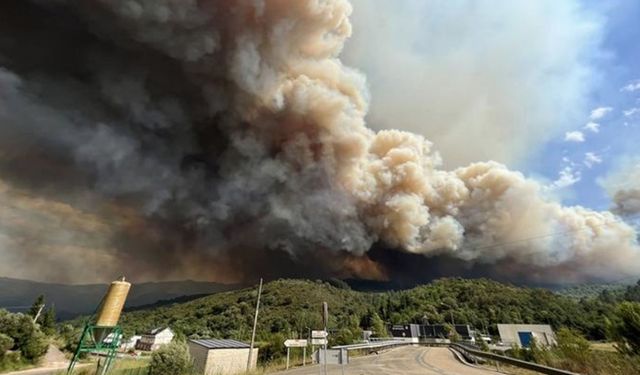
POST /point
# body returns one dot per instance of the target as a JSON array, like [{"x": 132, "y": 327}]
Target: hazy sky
[{"x": 549, "y": 88}]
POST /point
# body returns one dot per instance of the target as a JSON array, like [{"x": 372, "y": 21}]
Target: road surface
[{"x": 409, "y": 360}]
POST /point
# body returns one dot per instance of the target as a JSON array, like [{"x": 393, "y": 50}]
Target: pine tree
[
  {"x": 49, "y": 321},
  {"x": 378, "y": 326}
]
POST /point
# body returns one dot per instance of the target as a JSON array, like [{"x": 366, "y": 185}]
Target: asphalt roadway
[{"x": 406, "y": 360}]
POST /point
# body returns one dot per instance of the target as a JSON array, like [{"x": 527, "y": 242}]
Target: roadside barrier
[{"x": 470, "y": 353}]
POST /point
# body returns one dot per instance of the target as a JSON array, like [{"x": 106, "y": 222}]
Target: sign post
[
  {"x": 296, "y": 344},
  {"x": 319, "y": 338}
]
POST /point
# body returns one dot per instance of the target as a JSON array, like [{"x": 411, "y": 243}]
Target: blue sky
[
  {"x": 514, "y": 82},
  {"x": 587, "y": 153}
]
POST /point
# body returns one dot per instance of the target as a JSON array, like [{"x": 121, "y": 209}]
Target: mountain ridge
[{"x": 71, "y": 300}]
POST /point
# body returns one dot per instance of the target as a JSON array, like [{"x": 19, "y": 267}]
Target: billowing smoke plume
[
  {"x": 624, "y": 187},
  {"x": 460, "y": 70},
  {"x": 222, "y": 139}
]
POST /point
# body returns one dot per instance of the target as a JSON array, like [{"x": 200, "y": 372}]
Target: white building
[
  {"x": 155, "y": 339},
  {"x": 130, "y": 343},
  {"x": 523, "y": 334},
  {"x": 221, "y": 357}
]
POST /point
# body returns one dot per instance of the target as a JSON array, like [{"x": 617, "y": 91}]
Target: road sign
[
  {"x": 318, "y": 341},
  {"x": 319, "y": 334},
  {"x": 295, "y": 343}
]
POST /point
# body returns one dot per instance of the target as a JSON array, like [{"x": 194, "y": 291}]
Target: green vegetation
[
  {"x": 590, "y": 290},
  {"x": 172, "y": 359},
  {"x": 21, "y": 341},
  {"x": 291, "y": 308},
  {"x": 574, "y": 353},
  {"x": 624, "y": 329}
]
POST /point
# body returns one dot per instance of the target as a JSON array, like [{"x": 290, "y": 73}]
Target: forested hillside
[
  {"x": 590, "y": 290},
  {"x": 291, "y": 307}
]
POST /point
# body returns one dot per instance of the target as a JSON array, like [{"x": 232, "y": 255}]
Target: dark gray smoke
[{"x": 225, "y": 140}]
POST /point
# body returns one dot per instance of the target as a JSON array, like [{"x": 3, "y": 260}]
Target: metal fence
[{"x": 470, "y": 353}]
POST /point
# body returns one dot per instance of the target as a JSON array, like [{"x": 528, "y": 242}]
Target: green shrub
[
  {"x": 624, "y": 328},
  {"x": 11, "y": 361},
  {"x": 171, "y": 359},
  {"x": 35, "y": 346},
  {"x": 573, "y": 346},
  {"x": 26, "y": 336},
  {"x": 6, "y": 343}
]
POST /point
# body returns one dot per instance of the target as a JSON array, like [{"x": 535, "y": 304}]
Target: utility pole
[
  {"x": 255, "y": 323},
  {"x": 325, "y": 318},
  {"x": 35, "y": 319}
]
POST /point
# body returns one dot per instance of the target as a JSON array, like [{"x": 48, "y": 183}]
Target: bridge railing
[
  {"x": 472, "y": 352},
  {"x": 374, "y": 345}
]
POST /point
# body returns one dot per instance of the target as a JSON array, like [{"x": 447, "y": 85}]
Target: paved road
[{"x": 409, "y": 360}]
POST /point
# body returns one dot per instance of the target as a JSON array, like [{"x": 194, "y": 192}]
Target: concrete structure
[
  {"x": 522, "y": 334},
  {"x": 430, "y": 332},
  {"x": 438, "y": 331},
  {"x": 366, "y": 335},
  {"x": 153, "y": 340},
  {"x": 407, "y": 332},
  {"x": 221, "y": 357},
  {"x": 331, "y": 356}
]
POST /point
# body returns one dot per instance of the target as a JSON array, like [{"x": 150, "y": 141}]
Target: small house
[
  {"x": 521, "y": 335},
  {"x": 154, "y": 339},
  {"x": 130, "y": 343},
  {"x": 221, "y": 357}
]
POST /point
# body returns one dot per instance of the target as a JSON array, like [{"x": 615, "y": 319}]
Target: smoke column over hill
[
  {"x": 221, "y": 139},
  {"x": 624, "y": 187}
]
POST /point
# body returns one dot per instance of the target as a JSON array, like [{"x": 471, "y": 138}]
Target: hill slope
[
  {"x": 74, "y": 300},
  {"x": 292, "y": 307},
  {"x": 590, "y": 290}
]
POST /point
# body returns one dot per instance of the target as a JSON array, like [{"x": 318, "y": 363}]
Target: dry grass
[
  {"x": 509, "y": 370},
  {"x": 603, "y": 346}
]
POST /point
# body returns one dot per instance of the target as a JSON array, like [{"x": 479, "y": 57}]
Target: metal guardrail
[
  {"x": 511, "y": 361},
  {"x": 465, "y": 351},
  {"x": 374, "y": 345}
]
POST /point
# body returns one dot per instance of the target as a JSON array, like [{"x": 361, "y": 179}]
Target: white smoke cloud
[{"x": 459, "y": 71}]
